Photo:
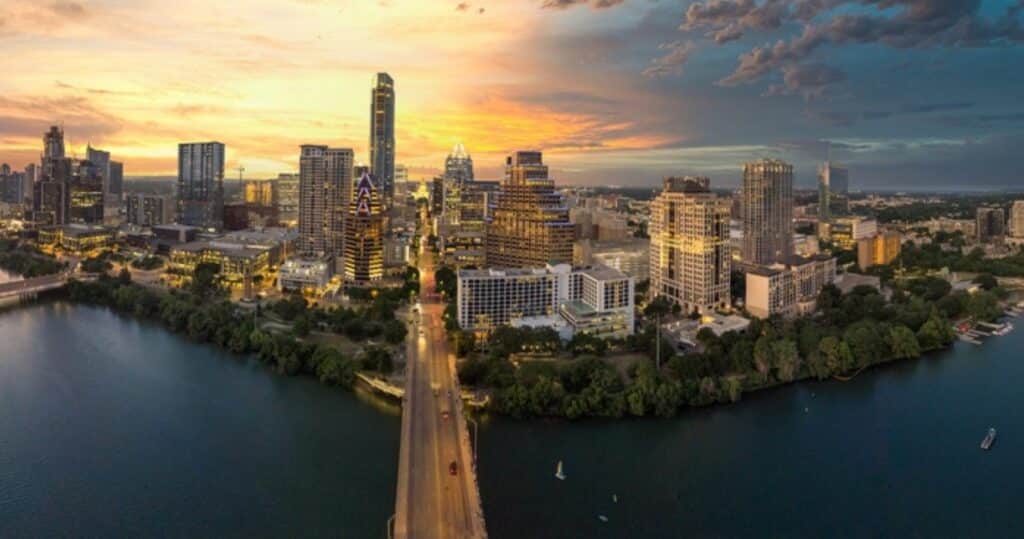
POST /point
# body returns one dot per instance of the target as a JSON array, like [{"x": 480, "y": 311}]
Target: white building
[
  {"x": 788, "y": 289},
  {"x": 300, "y": 274},
  {"x": 596, "y": 300}
]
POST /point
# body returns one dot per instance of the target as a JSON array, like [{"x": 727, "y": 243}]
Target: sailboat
[{"x": 559, "y": 473}]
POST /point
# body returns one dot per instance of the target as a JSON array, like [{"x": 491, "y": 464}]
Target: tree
[
  {"x": 903, "y": 343},
  {"x": 986, "y": 281},
  {"x": 205, "y": 280},
  {"x": 394, "y": 331},
  {"x": 302, "y": 326},
  {"x": 124, "y": 277}
]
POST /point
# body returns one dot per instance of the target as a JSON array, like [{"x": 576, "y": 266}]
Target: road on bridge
[{"x": 433, "y": 501}]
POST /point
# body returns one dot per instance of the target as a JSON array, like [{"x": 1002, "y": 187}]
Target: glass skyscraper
[
  {"x": 382, "y": 134},
  {"x": 201, "y": 184}
]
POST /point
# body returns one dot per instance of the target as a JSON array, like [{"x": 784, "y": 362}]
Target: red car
[{"x": 453, "y": 468}]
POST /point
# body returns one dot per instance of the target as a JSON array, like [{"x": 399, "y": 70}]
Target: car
[
  {"x": 453, "y": 468},
  {"x": 445, "y": 415}
]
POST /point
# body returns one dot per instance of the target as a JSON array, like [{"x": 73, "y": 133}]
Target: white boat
[
  {"x": 559, "y": 473},
  {"x": 602, "y": 518}
]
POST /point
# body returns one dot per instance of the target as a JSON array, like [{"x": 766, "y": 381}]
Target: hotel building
[{"x": 767, "y": 211}]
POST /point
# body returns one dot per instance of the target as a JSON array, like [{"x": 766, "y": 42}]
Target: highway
[{"x": 431, "y": 501}]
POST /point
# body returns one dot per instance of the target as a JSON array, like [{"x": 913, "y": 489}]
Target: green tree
[{"x": 903, "y": 343}]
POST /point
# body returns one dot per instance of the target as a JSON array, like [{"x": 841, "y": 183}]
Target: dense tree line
[
  {"x": 376, "y": 320},
  {"x": 212, "y": 319},
  {"x": 25, "y": 261},
  {"x": 849, "y": 333},
  {"x": 933, "y": 257}
]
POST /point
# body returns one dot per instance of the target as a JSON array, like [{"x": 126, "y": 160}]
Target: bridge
[
  {"x": 28, "y": 288},
  {"x": 438, "y": 495}
]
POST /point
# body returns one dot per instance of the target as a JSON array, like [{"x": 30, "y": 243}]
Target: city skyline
[{"x": 612, "y": 92}]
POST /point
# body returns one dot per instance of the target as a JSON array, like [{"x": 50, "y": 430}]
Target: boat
[
  {"x": 559, "y": 473},
  {"x": 989, "y": 439},
  {"x": 615, "y": 498},
  {"x": 602, "y": 518}
]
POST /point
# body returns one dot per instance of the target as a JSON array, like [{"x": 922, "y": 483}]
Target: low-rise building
[
  {"x": 878, "y": 250},
  {"x": 847, "y": 231},
  {"x": 77, "y": 240},
  {"x": 595, "y": 300},
  {"x": 245, "y": 258},
  {"x": 788, "y": 289},
  {"x": 307, "y": 275}
]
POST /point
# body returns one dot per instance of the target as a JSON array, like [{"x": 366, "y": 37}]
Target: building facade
[
  {"x": 690, "y": 262},
  {"x": 767, "y": 211},
  {"x": 845, "y": 232},
  {"x": 879, "y": 250},
  {"x": 201, "y": 185},
  {"x": 991, "y": 225},
  {"x": 833, "y": 191},
  {"x": 325, "y": 178},
  {"x": 149, "y": 210},
  {"x": 1017, "y": 219},
  {"x": 364, "y": 234},
  {"x": 288, "y": 199},
  {"x": 593, "y": 300},
  {"x": 382, "y": 135},
  {"x": 788, "y": 289},
  {"x": 529, "y": 223}
]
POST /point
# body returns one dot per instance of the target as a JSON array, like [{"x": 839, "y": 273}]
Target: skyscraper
[
  {"x": 991, "y": 224},
  {"x": 325, "y": 178},
  {"x": 51, "y": 201},
  {"x": 364, "y": 231},
  {"x": 382, "y": 134},
  {"x": 833, "y": 191},
  {"x": 1017, "y": 219},
  {"x": 529, "y": 224},
  {"x": 288, "y": 198},
  {"x": 53, "y": 143},
  {"x": 767, "y": 212},
  {"x": 690, "y": 263},
  {"x": 201, "y": 184}
]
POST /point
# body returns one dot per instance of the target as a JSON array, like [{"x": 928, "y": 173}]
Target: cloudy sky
[{"x": 908, "y": 93}]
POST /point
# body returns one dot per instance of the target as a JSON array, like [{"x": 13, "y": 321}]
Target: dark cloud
[
  {"x": 671, "y": 63},
  {"x": 902, "y": 24},
  {"x": 566, "y": 4},
  {"x": 808, "y": 80},
  {"x": 69, "y": 9},
  {"x": 848, "y": 118},
  {"x": 463, "y": 6}
]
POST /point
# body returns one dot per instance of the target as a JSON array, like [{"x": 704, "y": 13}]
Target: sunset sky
[{"x": 910, "y": 94}]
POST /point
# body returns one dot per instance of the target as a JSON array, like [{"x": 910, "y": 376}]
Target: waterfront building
[
  {"x": 528, "y": 225},
  {"x": 77, "y": 239},
  {"x": 833, "y": 191},
  {"x": 788, "y": 289},
  {"x": 149, "y": 210},
  {"x": 201, "y": 185},
  {"x": 364, "y": 234},
  {"x": 325, "y": 178},
  {"x": 246, "y": 258},
  {"x": 307, "y": 275},
  {"x": 690, "y": 260},
  {"x": 594, "y": 300},
  {"x": 879, "y": 250},
  {"x": 767, "y": 211},
  {"x": 288, "y": 199},
  {"x": 382, "y": 135},
  {"x": 845, "y": 232},
  {"x": 990, "y": 224}
]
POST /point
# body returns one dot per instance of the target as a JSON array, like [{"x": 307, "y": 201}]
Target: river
[{"x": 109, "y": 426}]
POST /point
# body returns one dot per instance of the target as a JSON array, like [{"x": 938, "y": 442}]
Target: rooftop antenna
[{"x": 240, "y": 170}]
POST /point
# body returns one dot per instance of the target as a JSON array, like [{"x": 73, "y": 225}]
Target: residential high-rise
[
  {"x": 148, "y": 210},
  {"x": 325, "y": 178},
  {"x": 288, "y": 198},
  {"x": 690, "y": 262},
  {"x": 833, "y": 191},
  {"x": 382, "y": 134},
  {"x": 767, "y": 212},
  {"x": 364, "y": 234},
  {"x": 261, "y": 192},
  {"x": 1017, "y": 219},
  {"x": 528, "y": 225},
  {"x": 201, "y": 185},
  {"x": 878, "y": 250},
  {"x": 991, "y": 224}
]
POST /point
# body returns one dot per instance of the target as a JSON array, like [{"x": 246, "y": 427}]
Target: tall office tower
[
  {"x": 288, "y": 198},
  {"x": 1017, "y": 219},
  {"x": 364, "y": 234},
  {"x": 31, "y": 177},
  {"x": 382, "y": 135},
  {"x": 115, "y": 185},
  {"x": 991, "y": 225},
  {"x": 767, "y": 212},
  {"x": 459, "y": 165},
  {"x": 53, "y": 143},
  {"x": 529, "y": 225},
  {"x": 201, "y": 185},
  {"x": 100, "y": 162},
  {"x": 325, "y": 178},
  {"x": 690, "y": 260},
  {"x": 86, "y": 193},
  {"x": 833, "y": 191}
]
